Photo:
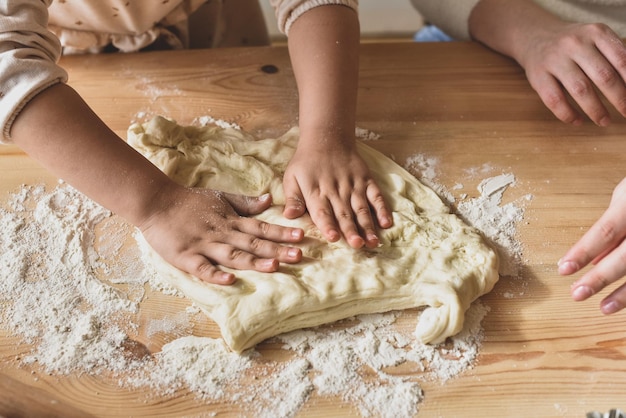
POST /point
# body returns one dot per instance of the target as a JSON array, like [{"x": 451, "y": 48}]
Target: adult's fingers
[
  {"x": 553, "y": 97},
  {"x": 606, "y": 272},
  {"x": 614, "y": 51},
  {"x": 615, "y": 302},
  {"x": 582, "y": 90},
  {"x": 608, "y": 232},
  {"x": 608, "y": 81}
]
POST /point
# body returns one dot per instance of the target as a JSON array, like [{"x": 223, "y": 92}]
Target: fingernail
[
  {"x": 605, "y": 121},
  {"x": 567, "y": 267},
  {"x": 270, "y": 264},
  {"x": 582, "y": 293},
  {"x": 333, "y": 235},
  {"x": 610, "y": 307},
  {"x": 297, "y": 233},
  {"x": 293, "y": 252},
  {"x": 226, "y": 278}
]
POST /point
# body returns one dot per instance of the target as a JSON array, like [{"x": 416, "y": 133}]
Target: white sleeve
[
  {"x": 287, "y": 11},
  {"x": 28, "y": 57}
]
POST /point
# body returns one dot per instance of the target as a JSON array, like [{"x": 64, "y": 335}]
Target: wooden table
[{"x": 544, "y": 355}]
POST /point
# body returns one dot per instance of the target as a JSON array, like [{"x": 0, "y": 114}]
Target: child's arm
[
  {"x": 559, "y": 57},
  {"x": 326, "y": 175},
  {"x": 191, "y": 229}
]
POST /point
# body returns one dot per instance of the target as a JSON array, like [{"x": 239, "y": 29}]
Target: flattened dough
[{"x": 428, "y": 258}]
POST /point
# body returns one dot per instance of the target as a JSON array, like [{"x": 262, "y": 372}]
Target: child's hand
[
  {"x": 603, "y": 245},
  {"x": 340, "y": 194},
  {"x": 194, "y": 229},
  {"x": 577, "y": 59}
]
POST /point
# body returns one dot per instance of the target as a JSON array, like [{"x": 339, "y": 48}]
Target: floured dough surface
[{"x": 428, "y": 258}]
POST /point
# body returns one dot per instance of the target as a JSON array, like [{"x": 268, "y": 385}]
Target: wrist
[
  {"x": 159, "y": 200},
  {"x": 327, "y": 137},
  {"x": 511, "y": 27}
]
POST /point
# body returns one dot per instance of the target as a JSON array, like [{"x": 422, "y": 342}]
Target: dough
[{"x": 428, "y": 258}]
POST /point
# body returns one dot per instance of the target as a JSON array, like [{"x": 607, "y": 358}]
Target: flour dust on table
[{"x": 73, "y": 285}]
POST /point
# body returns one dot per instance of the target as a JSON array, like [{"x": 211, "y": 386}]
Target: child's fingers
[
  {"x": 345, "y": 219},
  {"x": 379, "y": 205},
  {"x": 364, "y": 220},
  {"x": 200, "y": 267},
  {"x": 246, "y": 205},
  {"x": 323, "y": 216},
  {"x": 294, "y": 201}
]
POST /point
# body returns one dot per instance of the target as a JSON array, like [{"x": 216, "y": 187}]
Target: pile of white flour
[{"x": 71, "y": 288}]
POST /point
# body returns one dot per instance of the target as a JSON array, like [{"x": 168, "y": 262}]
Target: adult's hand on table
[
  {"x": 195, "y": 229},
  {"x": 340, "y": 194},
  {"x": 604, "y": 247},
  {"x": 580, "y": 60}
]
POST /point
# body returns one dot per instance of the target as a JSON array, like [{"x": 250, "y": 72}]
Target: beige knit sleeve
[
  {"x": 451, "y": 16},
  {"x": 28, "y": 56},
  {"x": 287, "y": 11}
]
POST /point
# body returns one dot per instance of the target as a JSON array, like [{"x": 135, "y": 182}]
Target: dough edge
[{"x": 443, "y": 316}]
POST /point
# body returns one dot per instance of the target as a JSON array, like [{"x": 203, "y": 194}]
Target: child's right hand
[{"x": 195, "y": 229}]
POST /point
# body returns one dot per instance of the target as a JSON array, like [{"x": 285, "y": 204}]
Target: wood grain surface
[{"x": 543, "y": 355}]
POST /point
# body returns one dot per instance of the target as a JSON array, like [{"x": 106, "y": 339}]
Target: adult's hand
[
  {"x": 581, "y": 60},
  {"x": 562, "y": 59},
  {"x": 603, "y": 246}
]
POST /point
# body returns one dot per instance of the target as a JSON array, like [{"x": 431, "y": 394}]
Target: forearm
[
  {"x": 59, "y": 130},
  {"x": 508, "y": 26},
  {"x": 324, "y": 50}
]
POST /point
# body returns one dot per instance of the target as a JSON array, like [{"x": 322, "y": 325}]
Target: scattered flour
[
  {"x": 76, "y": 322},
  {"x": 208, "y": 120},
  {"x": 425, "y": 169},
  {"x": 496, "y": 221},
  {"x": 72, "y": 284},
  {"x": 49, "y": 291},
  {"x": 366, "y": 134}
]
